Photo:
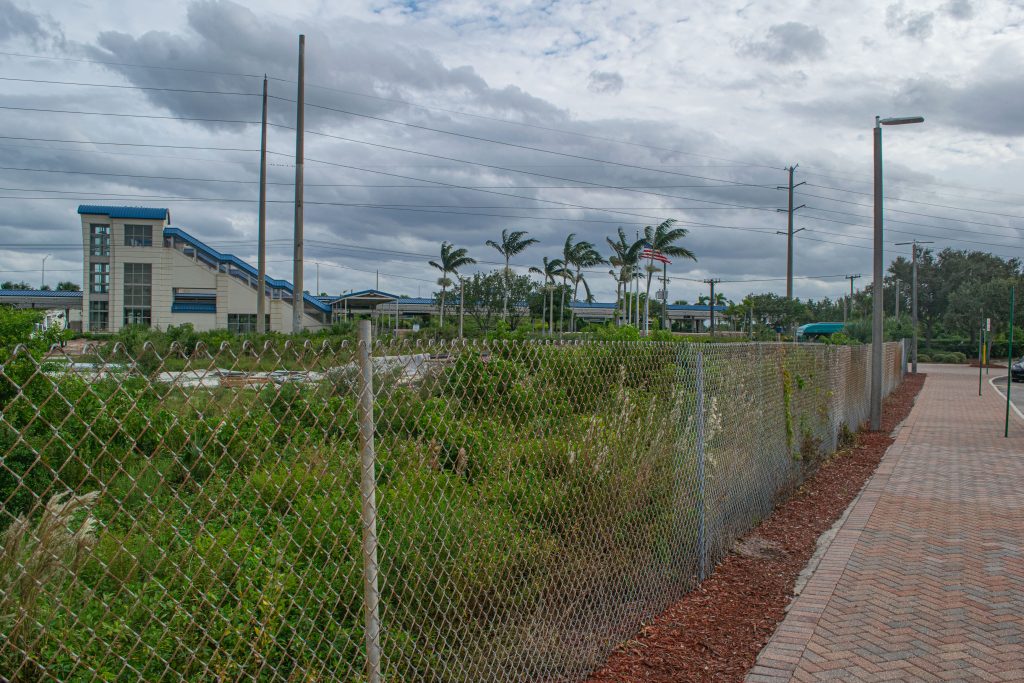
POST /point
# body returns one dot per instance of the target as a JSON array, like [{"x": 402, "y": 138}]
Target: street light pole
[
  {"x": 877, "y": 328},
  {"x": 42, "y": 276},
  {"x": 913, "y": 299}
]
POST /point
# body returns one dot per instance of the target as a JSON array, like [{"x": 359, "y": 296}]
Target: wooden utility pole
[
  {"x": 711, "y": 304},
  {"x": 298, "y": 303},
  {"x": 261, "y": 257},
  {"x": 849, "y": 302},
  {"x": 913, "y": 298}
]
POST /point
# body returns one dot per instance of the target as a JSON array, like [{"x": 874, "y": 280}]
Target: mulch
[{"x": 716, "y": 632}]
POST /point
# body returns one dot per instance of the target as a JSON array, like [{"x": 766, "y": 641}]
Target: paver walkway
[{"x": 925, "y": 579}]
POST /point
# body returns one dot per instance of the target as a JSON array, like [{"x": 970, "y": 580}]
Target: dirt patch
[{"x": 717, "y": 630}]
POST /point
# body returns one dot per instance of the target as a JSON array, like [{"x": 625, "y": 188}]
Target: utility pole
[
  {"x": 789, "y": 230},
  {"x": 298, "y": 304},
  {"x": 897, "y": 299},
  {"x": 711, "y": 304},
  {"x": 462, "y": 303},
  {"x": 664, "y": 296},
  {"x": 261, "y": 254},
  {"x": 913, "y": 297},
  {"x": 849, "y": 302}
]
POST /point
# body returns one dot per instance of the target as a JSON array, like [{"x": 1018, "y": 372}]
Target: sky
[{"x": 432, "y": 121}]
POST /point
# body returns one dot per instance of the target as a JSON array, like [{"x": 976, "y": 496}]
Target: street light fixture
[
  {"x": 42, "y": 276},
  {"x": 877, "y": 327}
]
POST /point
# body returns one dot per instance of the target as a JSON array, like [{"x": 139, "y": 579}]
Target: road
[{"x": 997, "y": 379}]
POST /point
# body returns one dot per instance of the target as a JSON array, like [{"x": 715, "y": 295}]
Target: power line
[
  {"x": 359, "y": 185},
  {"x": 128, "y": 87},
  {"x": 917, "y": 234},
  {"x": 912, "y": 201},
  {"x": 405, "y": 103},
  {"x": 79, "y": 112},
  {"x": 130, "y": 144},
  {"x": 141, "y": 66},
  {"x": 909, "y": 213},
  {"x": 518, "y": 146},
  {"x": 531, "y": 173},
  {"x": 922, "y": 225},
  {"x": 868, "y": 180}
]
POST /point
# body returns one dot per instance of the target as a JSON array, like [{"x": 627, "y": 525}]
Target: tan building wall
[{"x": 172, "y": 269}]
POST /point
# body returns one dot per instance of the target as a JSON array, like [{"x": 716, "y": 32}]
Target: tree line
[{"x": 561, "y": 277}]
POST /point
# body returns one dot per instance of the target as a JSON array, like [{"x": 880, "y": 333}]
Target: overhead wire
[{"x": 402, "y": 102}]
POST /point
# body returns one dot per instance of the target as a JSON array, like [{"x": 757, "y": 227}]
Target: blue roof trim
[
  {"x": 193, "y": 308},
  {"x": 51, "y": 293},
  {"x": 695, "y": 307},
  {"x": 364, "y": 292},
  {"x": 142, "y": 212},
  {"x": 242, "y": 265},
  {"x": 671, "y": 307}
]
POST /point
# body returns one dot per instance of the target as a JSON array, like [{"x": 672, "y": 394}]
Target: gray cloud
[
  {"x": 382, "y": 198},
  {"x": 224, "y": 36},
  {"x": 788, "y": 43},
  {"x": 19, "y": 23},
  {"x": 961, "y": 10},
  {"x": 910, "y": 23},
  {"x": 605, "y": 82},
  {"x": 988, "y": 101}
]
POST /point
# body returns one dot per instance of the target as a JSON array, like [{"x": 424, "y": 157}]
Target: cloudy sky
[{"x": 430, "y": 121}]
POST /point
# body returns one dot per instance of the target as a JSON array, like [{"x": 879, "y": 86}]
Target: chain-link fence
[{"x": 499, "y": 512}]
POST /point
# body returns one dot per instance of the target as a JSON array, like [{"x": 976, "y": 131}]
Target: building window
[
  {"x": 194, "y": 300},
  {"x": 99, "y": 317},
  {"x": 99, "y": 278},
  {"x": 99, "y": 239},
  {"x": 244, "y": 323},
  {"x": 138, "y": 235},
  {"x": 138, "y": 293}
]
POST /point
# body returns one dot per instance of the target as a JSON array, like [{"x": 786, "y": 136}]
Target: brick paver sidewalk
[{"x": 925, "y": 579}]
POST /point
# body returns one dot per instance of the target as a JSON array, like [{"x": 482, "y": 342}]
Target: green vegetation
[{"x": 227, "y": 535}]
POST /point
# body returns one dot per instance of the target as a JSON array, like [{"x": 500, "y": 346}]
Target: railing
[{"x": 504, "y": 511}]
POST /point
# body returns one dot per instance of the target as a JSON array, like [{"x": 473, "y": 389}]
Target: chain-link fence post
[
  {"x": 702, "y": 540},
  {"x": 368, "y": 493}
]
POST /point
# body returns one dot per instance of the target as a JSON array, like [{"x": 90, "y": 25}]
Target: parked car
[{"x": 1017, "y": 370}]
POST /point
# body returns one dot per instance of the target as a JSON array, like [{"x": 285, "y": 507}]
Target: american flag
[{"x": 654, "y": 255}]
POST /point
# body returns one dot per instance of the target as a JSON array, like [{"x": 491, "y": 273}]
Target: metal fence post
[
  {"x": 702, "y": 540},
  {"x": 368, "y": 494}
]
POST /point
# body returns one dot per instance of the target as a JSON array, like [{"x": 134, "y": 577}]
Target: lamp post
[
  {"x": 877, "y": 328},
  {"x": 42, "y": 276}
]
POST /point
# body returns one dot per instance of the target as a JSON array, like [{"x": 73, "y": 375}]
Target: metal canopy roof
[{"x": 141, "y": 212}]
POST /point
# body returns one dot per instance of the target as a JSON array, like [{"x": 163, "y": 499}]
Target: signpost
[{"x": 1009, "y": 365}]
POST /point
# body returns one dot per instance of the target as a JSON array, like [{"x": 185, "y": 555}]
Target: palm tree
[
  {"x": 584, "y": 255},
  {"x": 625, "y": 255},
  {"x": 720, "y": 300},
  {"x": 451, "y": 260},
  {"x": 663, "y": 238},
  {"x": 580, "y": 279},
  {"x": 512, "y": 243},
  {"x": 576, "y": 256},
  {"x": 552, "y": 268}
]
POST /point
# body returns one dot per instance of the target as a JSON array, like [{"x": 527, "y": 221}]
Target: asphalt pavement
[{"x": 997, "y": 380}]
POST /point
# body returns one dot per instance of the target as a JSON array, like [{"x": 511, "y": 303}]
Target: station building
[{"x": 140, "y": 269}]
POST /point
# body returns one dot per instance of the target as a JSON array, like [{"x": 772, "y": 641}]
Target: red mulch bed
[{"x": 716, "y": 632}]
